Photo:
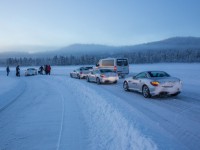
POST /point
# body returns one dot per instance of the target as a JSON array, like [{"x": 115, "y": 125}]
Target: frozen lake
[{"x": 58, "y": 112}]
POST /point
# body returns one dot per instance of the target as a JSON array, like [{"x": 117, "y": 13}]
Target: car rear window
[
  {"x": 158, "y": 74},
  {"x": 88, "y": 68},
  {"x": 108, "y": 62},
  {"x": 122, "y": 62}
]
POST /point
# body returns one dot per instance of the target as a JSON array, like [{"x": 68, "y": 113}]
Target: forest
[{"x": 136, "y": 57}]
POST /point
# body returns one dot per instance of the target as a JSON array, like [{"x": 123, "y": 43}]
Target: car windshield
[
  {"x": 106, "y": 70},
  {"x": 158, "y": 74}
]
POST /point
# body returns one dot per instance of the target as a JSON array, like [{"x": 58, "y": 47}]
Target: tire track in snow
[
  {"x": 62, "y": 115},
  {"x": 62, "y": 121},
  {"x": 72, "y": 132},
  {"x": 10, "y": 100}
]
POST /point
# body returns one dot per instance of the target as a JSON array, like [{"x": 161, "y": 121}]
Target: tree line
[{"x": 136, "y": 57}]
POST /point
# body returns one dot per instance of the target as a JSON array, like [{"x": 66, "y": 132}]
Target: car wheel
[
  {"x": 98, "y": 81},
  {"x": 71, "y": 75},
  {"x": 125, "y": 86},
  {"x": 146, "y": 92},
  {"x": 115, "y": 82},
  {"x": 175, "y": 94}
]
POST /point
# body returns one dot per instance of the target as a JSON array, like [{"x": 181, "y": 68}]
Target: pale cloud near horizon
[{"x": 40, "y": 24}]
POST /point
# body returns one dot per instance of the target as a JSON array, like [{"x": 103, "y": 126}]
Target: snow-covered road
[{"x": 58, "y": 112}]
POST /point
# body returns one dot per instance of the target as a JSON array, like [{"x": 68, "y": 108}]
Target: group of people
[{"x": 46, "y": 69}]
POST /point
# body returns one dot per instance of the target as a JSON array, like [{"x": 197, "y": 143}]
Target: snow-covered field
[{"x": 57, "y": 112}]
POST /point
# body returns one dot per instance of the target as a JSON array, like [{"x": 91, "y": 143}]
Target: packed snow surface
[{"x": 56, "y": 112}]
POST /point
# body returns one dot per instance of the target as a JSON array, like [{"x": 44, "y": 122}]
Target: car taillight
[
  {"x": 155, "y": 83},
  {"x": 102, "y": 75},
  {"x": 115, "y": 68}
]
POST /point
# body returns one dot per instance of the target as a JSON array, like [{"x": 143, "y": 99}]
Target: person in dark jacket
[
  {"x": 7, "y": 70},
  {"x": 17, "y": 71},
  {"x": 45, "y": 69},
  {"x": 41, "y": 69}
]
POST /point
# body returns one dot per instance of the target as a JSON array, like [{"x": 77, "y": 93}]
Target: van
[{"x": 120, "y": 65}]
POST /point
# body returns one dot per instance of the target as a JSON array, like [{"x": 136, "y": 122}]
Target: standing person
[
  {"x": 45, "y": 69},
  {"x": 7, "y": 70},
  {"x": 41, "y": 70},
  {"x": 48, "y": 69},
  {"x": 17, "y": 71}
]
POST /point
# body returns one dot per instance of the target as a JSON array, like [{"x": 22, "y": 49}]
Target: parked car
[
  {"x": 103, "y": 76},
  {"x": 152, "y": 83},
  {"x": 90, "y": 68},
  {"x": 30, "y": 72},
  {"x": 120, "y": 65},
  {"x": 81, "y": 72}
]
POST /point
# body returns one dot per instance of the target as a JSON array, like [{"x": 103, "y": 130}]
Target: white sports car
[
  {"x": 152, "y": 83},
  {"x": 102, "y": 76},
  {"x": 31, "y": 72}
]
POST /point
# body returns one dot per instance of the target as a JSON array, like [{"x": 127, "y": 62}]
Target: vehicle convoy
[
  {"x": 102, "y": 76},
  {"x": 81, "y": 72},
  {"x": 120, "y": 65},
  {"x": 31, "y": 72},
  {"x": 152, "y": 83}
]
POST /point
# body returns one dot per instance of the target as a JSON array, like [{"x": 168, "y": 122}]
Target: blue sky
[{"x": 34, "y": 25}]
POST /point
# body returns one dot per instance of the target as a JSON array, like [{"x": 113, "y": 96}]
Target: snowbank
[{"x": 108, "y": 128}]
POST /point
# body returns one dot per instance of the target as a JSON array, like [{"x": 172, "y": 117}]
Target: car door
[
  {"x": 74, "y": 73},
  {"x": 122, "y": 66},
  {"x": 138, "y": 81},
  {"x": 92, "y": 76}
]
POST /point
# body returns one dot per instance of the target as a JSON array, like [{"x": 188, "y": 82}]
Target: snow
[{"x": 58, "y": 112}]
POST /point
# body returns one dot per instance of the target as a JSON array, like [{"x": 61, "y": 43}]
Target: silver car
[
  {"x": 81, "y": 72},
  {"x": 103, "y": 76},
  {"x": 152, "y": 83}
]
